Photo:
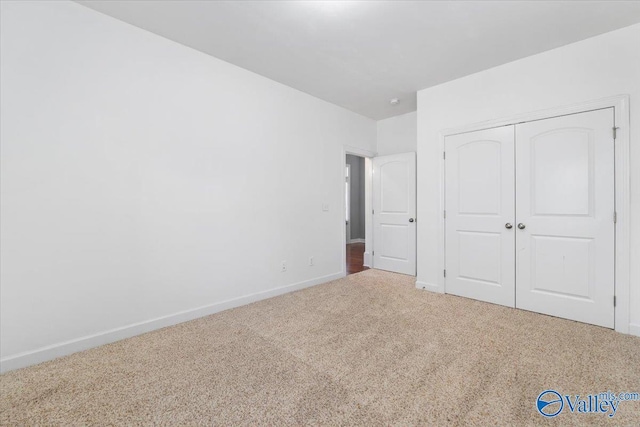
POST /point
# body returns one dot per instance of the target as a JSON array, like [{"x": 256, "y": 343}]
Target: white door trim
[
  {"x": 347, "y": 190},
  {"x": 620, "y": 103},
  {"x": 368, "y": 195}
]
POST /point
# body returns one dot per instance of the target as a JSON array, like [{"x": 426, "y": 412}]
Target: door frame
[
  {"x": 620, "y": 104},
  {"x": 368, "y": 198},
  {"x": 347, "y": 191}
]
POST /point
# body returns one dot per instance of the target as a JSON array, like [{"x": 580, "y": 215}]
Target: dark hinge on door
[
  {"x": 615, "y": 132},
  {"x": 614, "y": 300},
  {"x": 445, "y": 273}
]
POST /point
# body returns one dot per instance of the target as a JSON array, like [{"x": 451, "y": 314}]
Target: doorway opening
[{"x": 355, "y": 213}]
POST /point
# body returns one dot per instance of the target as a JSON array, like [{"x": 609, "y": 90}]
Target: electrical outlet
[
  {"x": 284, "y": 266},
  {"x": 311, "y": 261}
]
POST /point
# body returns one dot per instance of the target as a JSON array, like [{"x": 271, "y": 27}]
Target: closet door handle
[
  {"x": 508, "y": 226},
  {"x": 521, "y": 226}
]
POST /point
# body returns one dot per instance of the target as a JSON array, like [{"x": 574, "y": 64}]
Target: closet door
[
  {"x": 479, "y": 222},
  {"x": 564, "y": 215}
]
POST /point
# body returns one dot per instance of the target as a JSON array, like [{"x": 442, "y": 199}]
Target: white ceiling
[{"x": 360, "y": 54}]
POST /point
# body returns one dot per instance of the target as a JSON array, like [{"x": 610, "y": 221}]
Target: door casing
[{"x": 347, "y": 190}]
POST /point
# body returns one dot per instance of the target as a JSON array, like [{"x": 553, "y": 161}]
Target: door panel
[
  {"x": 479, "y": 194},
  {"x": 474, "y": 267},
  {"x": 394, "y": 206},
  {"x": 570, "y": 277},
  {"x": 565, "y": 201},
  {"x": 395, "y": 241},
  {"x": 394, "y": 197},
  {"x": 479, "y": 200},
  {"x": 560, "y": 172}
]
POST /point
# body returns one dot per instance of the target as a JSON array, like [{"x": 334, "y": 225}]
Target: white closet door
[
  {"x": 394, "y": 211},
  {"x": 565, "y": 208},
  {"x": 480, "y": 258}
]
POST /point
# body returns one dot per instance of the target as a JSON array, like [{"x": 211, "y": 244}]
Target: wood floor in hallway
[{"x": 355, "y": 258}]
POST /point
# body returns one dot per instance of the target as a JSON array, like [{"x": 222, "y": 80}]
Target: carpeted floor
[{"x": 369, "y": 349}]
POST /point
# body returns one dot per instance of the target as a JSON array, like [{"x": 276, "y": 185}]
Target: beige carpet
[{"x": 369, "y": 349}]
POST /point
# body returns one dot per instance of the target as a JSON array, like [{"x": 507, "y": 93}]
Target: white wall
[
  {"x": 595, "y": 68},
  {"x": 397, "y": 134},
  {"x": 144, "y": 183}
]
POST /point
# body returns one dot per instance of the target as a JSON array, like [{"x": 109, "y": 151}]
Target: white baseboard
[
  {"x": 367, "y": 260},
  {"x": 634, "y": 328},
  {"x": 429, "y": 287},
  {"x": 356, "y": 241},
  {"x": 65, "y": 348}
]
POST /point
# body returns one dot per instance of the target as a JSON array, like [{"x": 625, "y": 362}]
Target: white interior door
[
  {"x": 565, "y": 207},
  {"x": 394, "y": 213},
  {"x": 480, "y": 213}
]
